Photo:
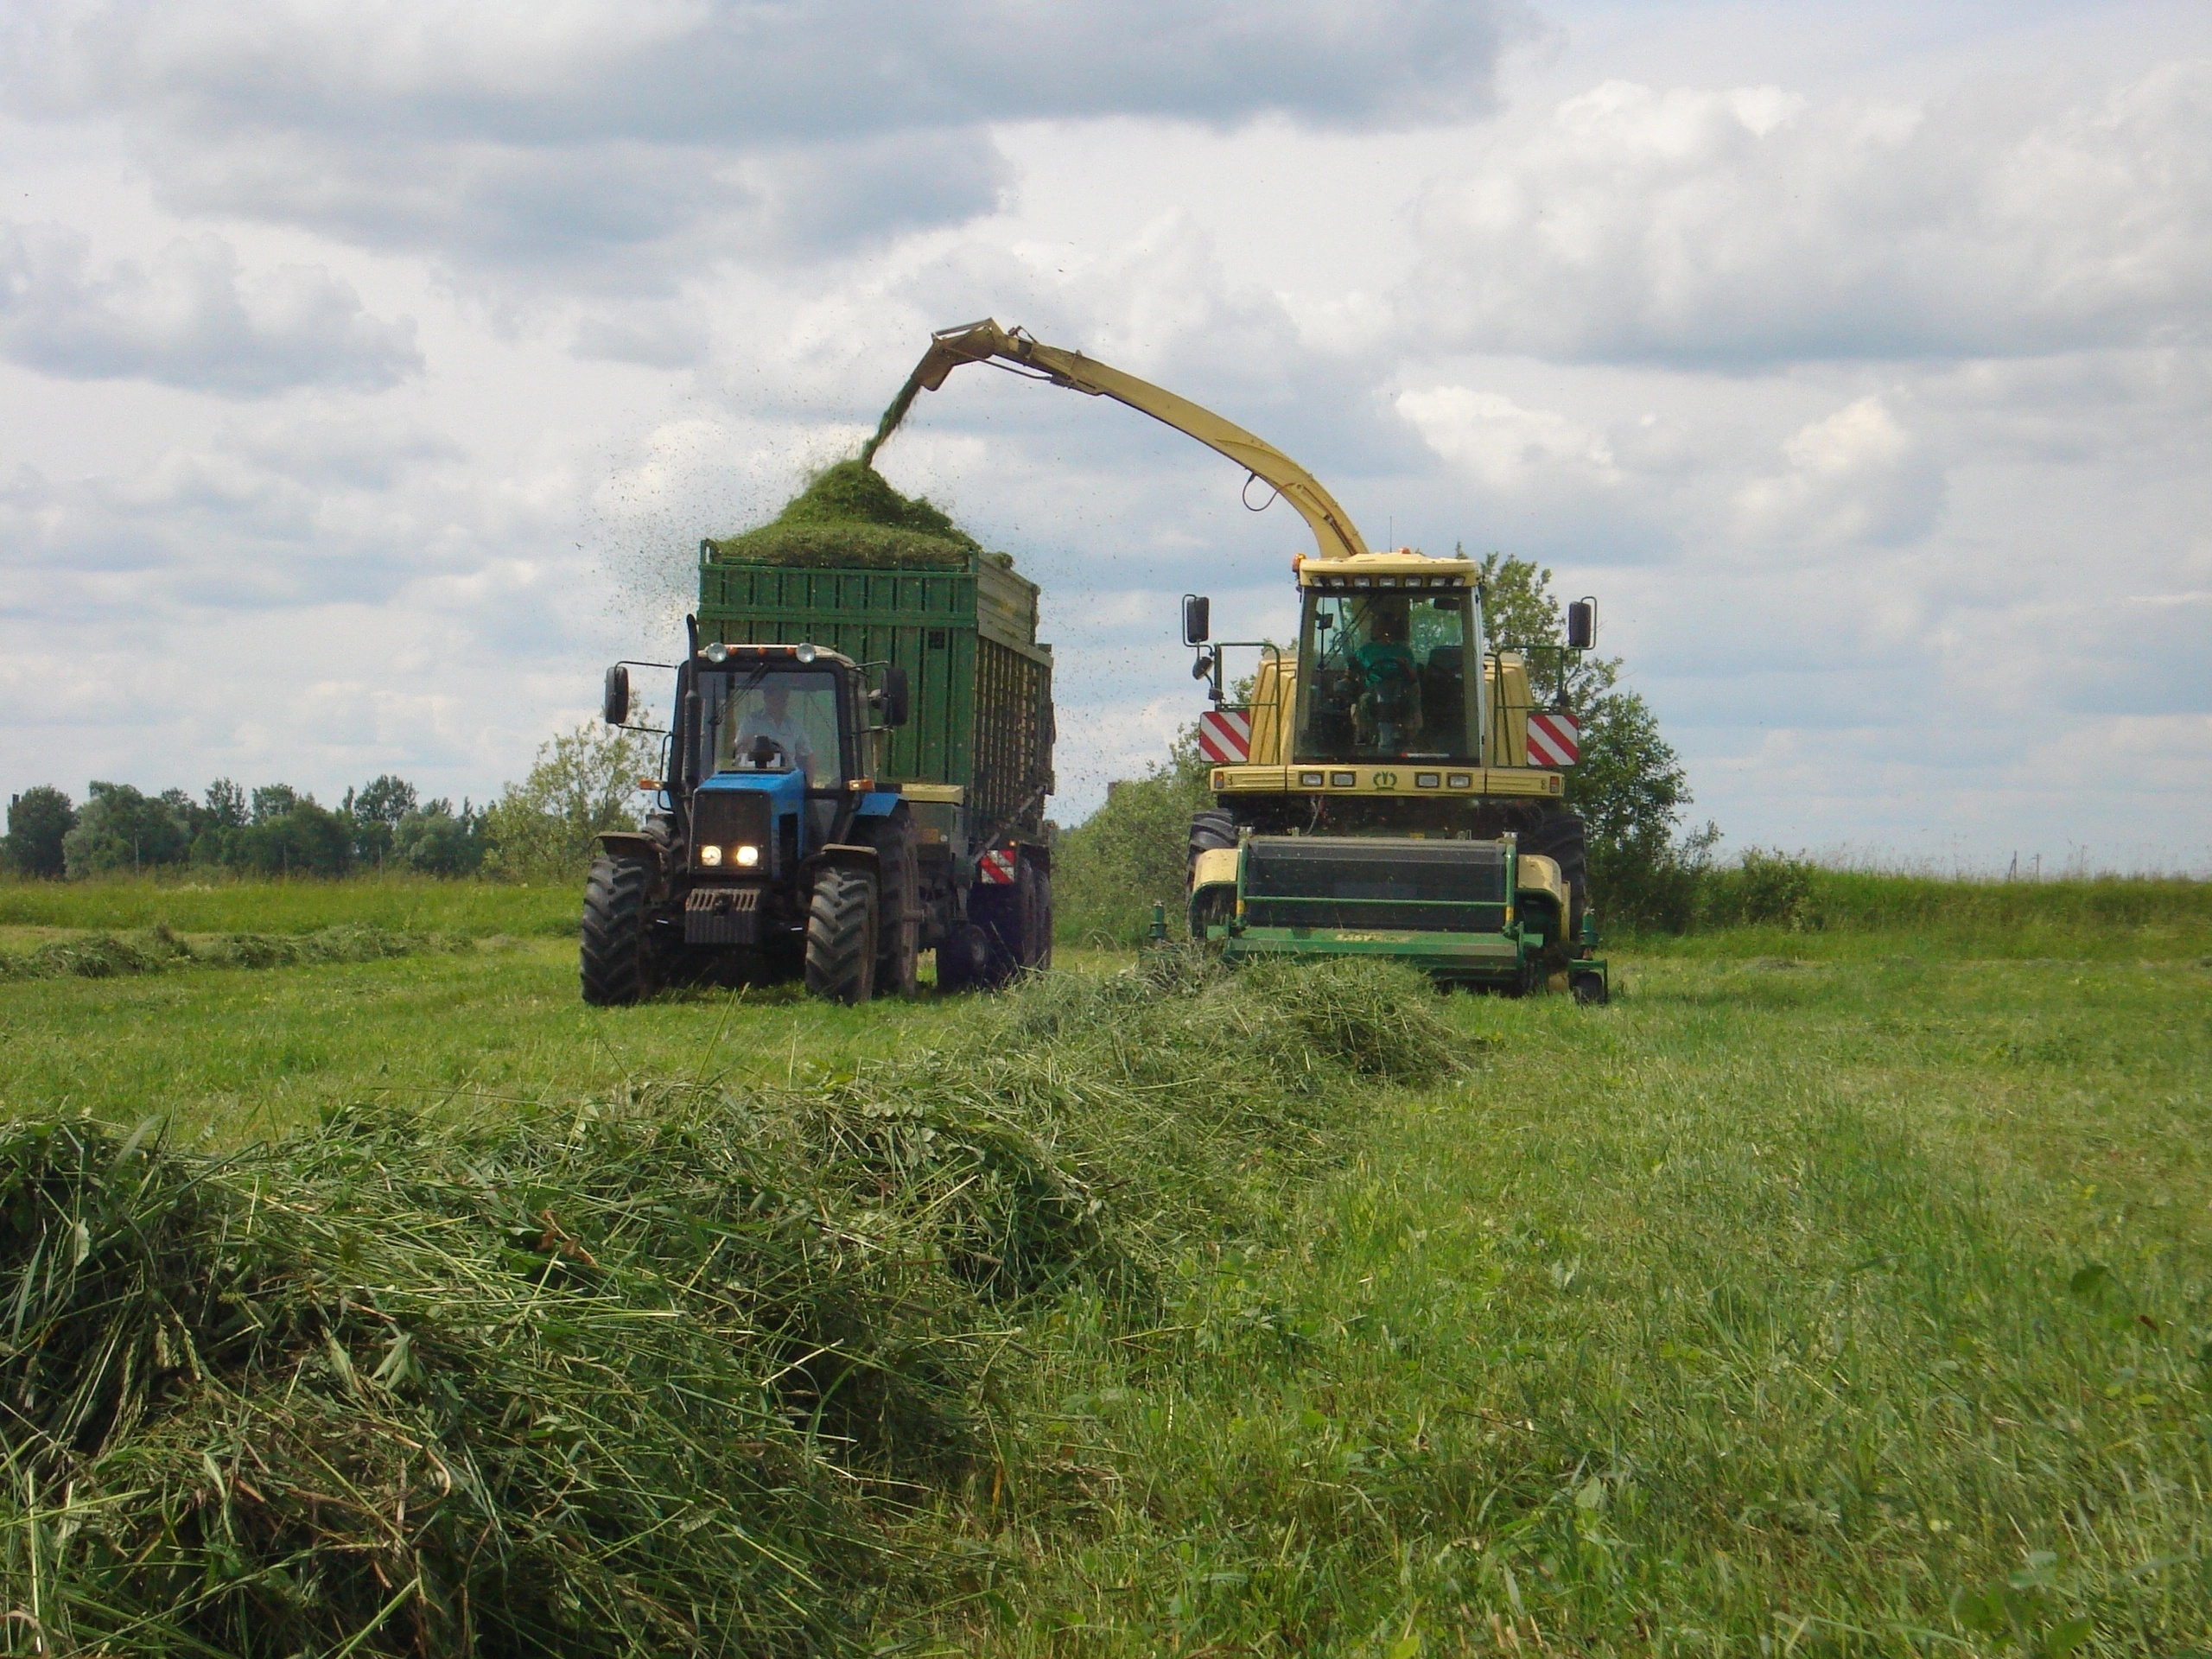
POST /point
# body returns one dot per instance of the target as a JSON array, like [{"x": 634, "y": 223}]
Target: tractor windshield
[
  {"x": 772, "y": 719},
  {"x": 1383, "y": 677}
]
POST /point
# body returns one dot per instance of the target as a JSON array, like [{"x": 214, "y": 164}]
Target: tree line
[
  {"x": 546, "y": 825},
  {"x": 273, "y": 830}
]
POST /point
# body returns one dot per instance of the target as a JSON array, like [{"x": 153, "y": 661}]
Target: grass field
[{"x": 1841, "y": 1292}]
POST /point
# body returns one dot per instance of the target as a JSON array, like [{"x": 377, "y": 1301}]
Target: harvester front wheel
[
  {"x": 1560, "y": 837},
  {"x": 1212, "y": 831},
  {"x": 841, "y": 937},
  {"x": 617, "y": 958}
]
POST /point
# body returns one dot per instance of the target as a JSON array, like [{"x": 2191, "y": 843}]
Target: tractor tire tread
[
  {"x": 841, "y": 925},
  {"x": 616, "y": 958}
]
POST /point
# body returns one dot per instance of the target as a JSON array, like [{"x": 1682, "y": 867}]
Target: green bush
[
  {"x": 120, "y": 829},
  {"x": 585, "y": 782},
  {"x": 39, "y": 822},
  {"x": 1109, "y": 870}
]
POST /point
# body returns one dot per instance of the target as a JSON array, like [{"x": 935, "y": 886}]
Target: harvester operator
[{"x": 1387, "y": 713}]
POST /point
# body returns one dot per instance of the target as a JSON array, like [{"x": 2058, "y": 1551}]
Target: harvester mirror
[
  {"x": 893, "y": 696},
  {"x": 1581, "y": 624},
  {"x": 617, "y": 704},
  {"x": 1198, "y": 619}
]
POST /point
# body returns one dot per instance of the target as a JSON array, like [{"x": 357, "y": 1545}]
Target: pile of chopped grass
[
  {"x": 657, "y": 1375},
  {"x": 108, "y": 956},
  {"x": 848, "y": 515}
]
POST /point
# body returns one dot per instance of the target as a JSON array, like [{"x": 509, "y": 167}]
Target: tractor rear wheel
[
  {"x": 841, "y": 937},
  {"x": 898, "y": 929},
  {"x": 617, "y": 959}
]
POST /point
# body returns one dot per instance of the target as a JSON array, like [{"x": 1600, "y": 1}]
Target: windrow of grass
[
  {"x": 160, "y": 949},
  {"x": 669, "y": 1372},
  {"x": 215, "y": 903}
]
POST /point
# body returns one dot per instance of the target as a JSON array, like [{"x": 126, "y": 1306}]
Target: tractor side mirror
[
  {"x": 1581, "y": 624},
  {"x": 1198, "y": 619},
  {"x": 893, "y": 696},
  {"x": 616, "y": 707}
]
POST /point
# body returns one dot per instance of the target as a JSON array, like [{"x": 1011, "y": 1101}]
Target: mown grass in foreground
[{"x": 1795, "y": 1303}]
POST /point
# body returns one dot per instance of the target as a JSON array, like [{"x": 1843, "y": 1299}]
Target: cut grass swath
[{"x": 654, "y": 1374}]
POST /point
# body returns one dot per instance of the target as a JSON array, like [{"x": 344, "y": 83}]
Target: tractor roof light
[
  {"x": 805, "y": 652},
  {"x": 717, "y": 652}
]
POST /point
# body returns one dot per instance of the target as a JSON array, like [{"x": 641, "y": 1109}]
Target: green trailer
[{"x": 980, "y": 717}]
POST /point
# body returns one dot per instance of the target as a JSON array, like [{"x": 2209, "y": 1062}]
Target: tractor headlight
[
  {"x": 805, "y": 652},
  {"x": 710, "y": 856},
  {"x": 747, "y": 857},
  {"x": 717, "y": 652}
]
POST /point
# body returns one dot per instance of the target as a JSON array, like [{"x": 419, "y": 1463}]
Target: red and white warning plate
[
  {"x": 996, "y": 867},
  {"x": 1554, "y": 740},
  {"x": 1225, "y": 737}
]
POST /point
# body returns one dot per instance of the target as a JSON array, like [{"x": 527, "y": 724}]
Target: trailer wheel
[
  {"x": 841, "y": 933},
  {"x": 1035, "y": 887},
  {"x": 617, "y": 959},
  {"x": 963, "y": 959}
]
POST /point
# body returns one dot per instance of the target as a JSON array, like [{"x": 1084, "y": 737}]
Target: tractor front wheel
[
  {"x": 617, "y": 957},
  {"x": 841, "y": 937}
]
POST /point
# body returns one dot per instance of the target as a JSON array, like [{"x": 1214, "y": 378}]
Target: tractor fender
[
  {"x": 632, "y": 842},
  {"x": 846, "y": 854}
]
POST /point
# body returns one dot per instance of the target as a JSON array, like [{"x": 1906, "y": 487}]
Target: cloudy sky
[{"x": 368, "y": 372}]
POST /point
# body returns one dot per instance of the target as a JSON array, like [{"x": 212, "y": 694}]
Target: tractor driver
[
  {"x": 774, "y": 719},
  {"x": 1387, "y": 712}
]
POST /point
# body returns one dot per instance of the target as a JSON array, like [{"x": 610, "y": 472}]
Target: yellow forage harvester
[{"x": 1393, "y": 787}]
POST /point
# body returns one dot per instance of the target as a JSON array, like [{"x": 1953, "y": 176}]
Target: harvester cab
[{"x": 1391, "y": 786}]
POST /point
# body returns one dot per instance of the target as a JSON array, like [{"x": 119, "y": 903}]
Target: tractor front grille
[
  {"x": 722, "y": 916},
  {"x": 1349, "y": 882},
  {"x": 728, "y": 818}
]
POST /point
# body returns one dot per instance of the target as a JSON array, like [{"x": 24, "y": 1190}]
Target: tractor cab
[{"x": 776, "y": 742}]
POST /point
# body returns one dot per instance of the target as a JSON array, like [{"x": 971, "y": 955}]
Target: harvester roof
[{"x": 1402, "y": 568}]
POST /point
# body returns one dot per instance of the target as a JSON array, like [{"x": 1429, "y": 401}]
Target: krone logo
[{"x": 1386, "y": 780}]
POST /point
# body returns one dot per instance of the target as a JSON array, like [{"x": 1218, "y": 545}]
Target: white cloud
[
  {"x": 1733, "y": 227},
  {"x": 192, "y": 318},
  {"x": 567, "y": 140},
  {"x": 1504, "y": 446},
  {"x": 1855, "y": 478}
]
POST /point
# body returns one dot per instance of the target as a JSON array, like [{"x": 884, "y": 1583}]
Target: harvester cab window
[
  {"x": 1385, "y": 676},
  {"x": 776, "y": 722}
]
